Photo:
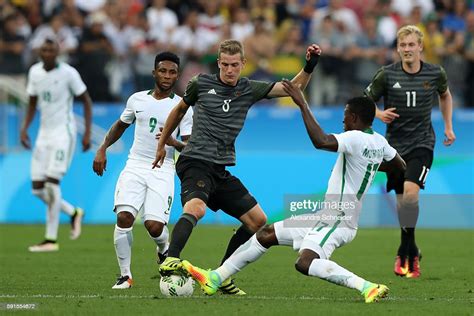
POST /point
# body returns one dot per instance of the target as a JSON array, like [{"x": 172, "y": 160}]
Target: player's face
[
  {"x": 48, "y": 53},
  {"x": 349, "y": 118},
  {"x": 230, "y": 67},
  {"x": 409, "y": 49},
  {"x": 166, "y": 74}
]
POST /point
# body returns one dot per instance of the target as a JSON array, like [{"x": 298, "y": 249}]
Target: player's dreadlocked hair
[
  {"x": 364, "y": 108},
  {"x": 166, "y": 56},
  {"x": 231, "y": 47}
]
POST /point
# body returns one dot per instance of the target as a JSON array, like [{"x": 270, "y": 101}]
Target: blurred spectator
[
  {"x": 433, "y": 41},
  {"x": 211, "y": 19},
  {"x": 405, "y": 7},
  {"x": 369, "y": 51},
  {"x": 162, "y": 21},
  {"x": 416, "y": 18},
  {"x": 242, "y": 26},
  {"x": 333, "y": 68},
  {"x": 90, "y": 6},
  {"x": 260, "y": 47},
  {"x": 290, "y": 40},
  {"x": 454, "y": 20},
  {"x": 58, "y": 31},
  {"x": 72, "y": 16},
  {"x": 388, "y": 21},
  {"x": 265, "y": 9},
  {"x": 95, "y": 51},
  {"x": 339, "y": 14},
  {"x": 468, "y": 50},
  {"x": 12, "y": 46}
]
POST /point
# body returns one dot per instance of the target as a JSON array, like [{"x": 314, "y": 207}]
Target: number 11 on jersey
[{"x": 411, "y": 98}]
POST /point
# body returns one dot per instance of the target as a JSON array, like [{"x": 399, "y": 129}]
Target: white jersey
[
  {"x": 361, "y": 153},
  {"x": 55, "y": 90},
  {"x": 150, "y": 114}
]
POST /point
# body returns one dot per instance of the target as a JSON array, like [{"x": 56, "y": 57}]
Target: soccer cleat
[
  {"x": 414, "y": 266},
  {"x": 401, "y": 266},
  {"x": 123, "y": 282},
  {"x": 76, "y": 223},
  {"x": 375, "y": 292},
  {"x": 208, "y": 280},
  {"x": 169, "y": 266},
  {"x": 228, "y": 287},
  {"x": 45, "y": 246},
  {"x": 161, "y": 256}
]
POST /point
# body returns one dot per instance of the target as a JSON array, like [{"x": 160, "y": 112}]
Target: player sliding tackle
[{"x": 361, "y": 152}]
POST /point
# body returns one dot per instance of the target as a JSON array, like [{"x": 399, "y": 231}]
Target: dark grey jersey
[
  {"x": 413, "y": 96},
  {"x": 219, "y": 114}
]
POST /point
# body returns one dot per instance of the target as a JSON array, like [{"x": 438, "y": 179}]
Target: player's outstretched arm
[
  {"x": 87, "y": 102},
  {"x": 446, "y": 107},
  {"x": 175, "y": 116},
  {"x": 302, "y": 78},
  {"x": 318, "y": 137},
  {"x": 397, "y": 163},
  {"x": 115, "y": 132},
  {"x": 30, "y": 114}
]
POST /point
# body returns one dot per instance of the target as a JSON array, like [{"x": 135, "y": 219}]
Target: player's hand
[
  {"x": 312, "y": 49},
  {"x": 25, "y": 139},
  {"x": 294, "y": 92},
  {"x": 159, "y": 158},
  {"x": 450, "y": 137},
  {"x": 100, "y": 162},
  {"x": 171, "y": 141},
  {"x": 86, "y": 142},
  {"x": 313, "y": 53},
  {"x": 388, "y": 115}
]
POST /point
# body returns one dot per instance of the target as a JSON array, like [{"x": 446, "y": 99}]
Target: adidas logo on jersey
[
  {"x": 212, "y": 91},
  {"x": 397, "y": 85}
]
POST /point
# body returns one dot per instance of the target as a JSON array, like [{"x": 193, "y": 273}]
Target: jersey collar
[
  {"x": 412, "y": 74},
  {"x": 171, "y": 96},
  {"x": 368, "y": 130}
]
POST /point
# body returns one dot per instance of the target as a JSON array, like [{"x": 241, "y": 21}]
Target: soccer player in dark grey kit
[
  {"x": 410, "y": 89},
  {"x": 221, "y": 102}
]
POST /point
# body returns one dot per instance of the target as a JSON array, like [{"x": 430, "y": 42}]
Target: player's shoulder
[
  {"x": 64, "y": 67},
  {"x": 139, "y": 95},
  {"x": 432, "y": 68},
  {"x": 397, "y": 66},
  {"x": 35, "y": 68}
]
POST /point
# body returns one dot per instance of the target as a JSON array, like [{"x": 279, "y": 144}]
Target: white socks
[
  {"x": 330, "y": 271},
  {"x": 162, "y": 240},
  {"x": 245, "y": 254},
  {"x": 123, "y": 240},
  {"x": 66, "y": 207},
  {"x": 53, "y": 198}
]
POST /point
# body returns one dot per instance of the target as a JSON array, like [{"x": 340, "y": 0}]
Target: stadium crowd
[{"x": 113, "y": 43}]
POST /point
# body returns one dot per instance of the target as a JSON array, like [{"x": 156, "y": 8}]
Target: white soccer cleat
[
  {"x": 76, "y": 223},
  {"x": 45, "y": 246},
  {"x": 123, "y": 282}
]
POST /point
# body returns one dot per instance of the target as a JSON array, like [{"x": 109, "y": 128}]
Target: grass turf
[{"x": 78, "y": 278}]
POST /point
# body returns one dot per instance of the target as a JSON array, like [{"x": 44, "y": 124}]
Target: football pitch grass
[{"x": 78, "y": 278}]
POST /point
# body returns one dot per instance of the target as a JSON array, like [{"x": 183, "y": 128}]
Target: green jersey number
[
  {"x": 47, "y": 96},
  {"x": 170, "y": 202},
  {"x": 368, "y": 178},
  {"x": 411, "y": 98},
  {"x": 152, "y": 124}
]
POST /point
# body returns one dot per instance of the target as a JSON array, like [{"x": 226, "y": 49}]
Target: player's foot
[
  {"x": 161, "y": 256},
  {"x": 169, "y": 266},
  {"x": 76, "y": 223},
  {"x": 123, "y": 282},
  {"x": 375, "y": 292},
  {"x": 229, "y": 287},
  {"x": 45, "y": 246},
  {"x": 401, "y": 266},
  {"x": 208, "y": 280},
  {"x": 414, "y": 266}
]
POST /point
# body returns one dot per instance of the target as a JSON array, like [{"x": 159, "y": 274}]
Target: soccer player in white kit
[
  {"x": 361, "y": 153},
  {"x": 139, "y": 187},
  {"x": 52, "y": 86}
]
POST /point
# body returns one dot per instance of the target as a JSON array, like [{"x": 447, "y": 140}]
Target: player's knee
[
  {"x": 266, "y": 236},
  {"x": 304, "y": 261},
  {"x": 125, "y": 219},
  {"x": 410, "y": 197},
  {"x": 154, "y": 228},
  {"x": 195, "y": 207}
]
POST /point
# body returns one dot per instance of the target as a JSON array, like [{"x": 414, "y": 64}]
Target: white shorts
[
  {"x": 52, "y": 156},
  {"x": 320, "y": 239},
  {"x": 145, "y": 189}
]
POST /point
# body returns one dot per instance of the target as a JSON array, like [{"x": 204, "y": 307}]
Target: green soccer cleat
[
  {"x": 208, "y": 280},
  {"x": 228, "y": 287},
  {"x": 170, "y": 265},
  {"x": 374, "y": 292}
]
